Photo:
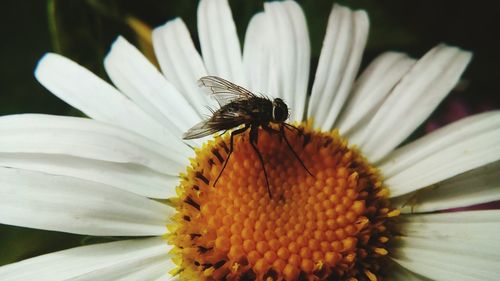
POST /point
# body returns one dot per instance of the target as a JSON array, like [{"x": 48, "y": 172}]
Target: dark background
[{"x": 83, "y": 30}]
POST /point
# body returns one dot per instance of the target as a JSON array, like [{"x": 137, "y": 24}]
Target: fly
[{"x": 239, "y": 106}]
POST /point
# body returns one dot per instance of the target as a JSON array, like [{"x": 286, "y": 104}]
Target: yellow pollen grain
[
  {"x": 393, "y": 213},
  {"x": 334, "y": 224},
  {"x": 381, "y": 251},
  {"x": 370, "y": 275}
]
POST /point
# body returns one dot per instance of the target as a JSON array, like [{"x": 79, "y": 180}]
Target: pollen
[{"x": 335, "y": 224}]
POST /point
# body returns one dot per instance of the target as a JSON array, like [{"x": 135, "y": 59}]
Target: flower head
[{"x": 349, "y": 202}]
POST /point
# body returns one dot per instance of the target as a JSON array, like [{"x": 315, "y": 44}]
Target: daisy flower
[{"x": 372, "y": 210}]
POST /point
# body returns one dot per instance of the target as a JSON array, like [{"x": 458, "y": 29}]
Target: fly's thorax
[{"x": 257, "y": 110}]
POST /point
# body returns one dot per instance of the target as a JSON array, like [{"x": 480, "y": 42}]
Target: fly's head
[{"x": 280, "y": 111}]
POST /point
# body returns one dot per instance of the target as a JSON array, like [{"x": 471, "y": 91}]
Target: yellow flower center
[{"x": 334, "y": 225}]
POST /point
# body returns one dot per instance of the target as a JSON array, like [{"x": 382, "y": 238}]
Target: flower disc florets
[{"x": 335, "y": 224}]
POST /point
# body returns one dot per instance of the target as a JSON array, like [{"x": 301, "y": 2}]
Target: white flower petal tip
[
  {"x": 60, "y": 203},
  {"x": 451, "y": 246},
  {"x": 454, "y": 149},
  {"x": 339, "y": 61},
  {"x": 85, "y": 91},
  {"x": 219, "y": 41},
  {"x": 413, "y": 99},
  {"x": 137, "y": 78},
  {"x": 181, "y": 63},
  {"x": 142, "y": 259}
]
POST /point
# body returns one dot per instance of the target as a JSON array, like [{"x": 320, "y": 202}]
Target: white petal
[
  {"x": 181, "y": 63},
  {"x": 370, "y": 90},
  {"x": 130, "y": 177},
  {"x": 257, "y": 54},
  {"x": 413, "y": 100},
  {"x": 60, "y": 203},
  {"x": 219, "y": 41},
  {"x": 262, "y": 64},
  {"x": 85, "y": 91},
  {"x": 451, "y": 246},
  {"x": 341, "y": 54},
  {"x": 142, "y": 258},
  {"x": 481, "y": 185},
  {"x": 443, "y": 266},
  {"x": 291, "y": 51},
  {"x": 85, "y": 138},
  {"x": 480, "y": 226},
  {"x": 136, "y": 77},
  {"x": 459, "y": 147}
]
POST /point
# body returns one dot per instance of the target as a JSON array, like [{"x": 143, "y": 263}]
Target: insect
[{"x": 239, "y": 106}]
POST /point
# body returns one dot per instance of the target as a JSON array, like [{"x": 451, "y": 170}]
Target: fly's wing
[
  {"x": 224, "y": 91},
  {"x": 222, "y": 120},
  {"x": 200, "y": 130}
]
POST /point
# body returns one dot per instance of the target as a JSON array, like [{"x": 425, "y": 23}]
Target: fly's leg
[
  {"x": 283, "y": 135},
  {"x": 270, "y": 130},
  {"x": 281, "y": 132},
  {"x": 299, "y": 132},
  {"x": 254, "y": 131},
  {"x": 233, "y": 133}
]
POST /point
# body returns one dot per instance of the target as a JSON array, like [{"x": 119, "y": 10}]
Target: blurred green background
[{"x": 84, "y": 29}]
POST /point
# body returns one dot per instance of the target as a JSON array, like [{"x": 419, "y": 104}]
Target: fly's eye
[{"x": 280, "y": 110}]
